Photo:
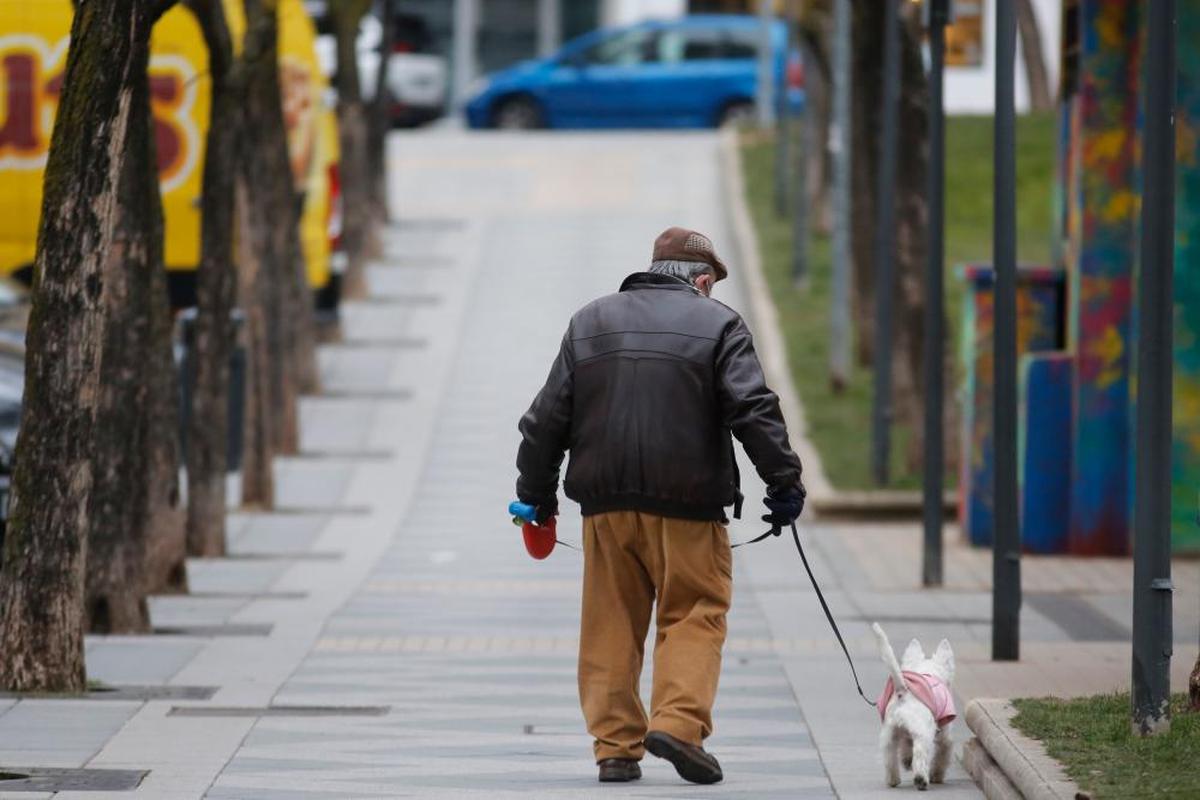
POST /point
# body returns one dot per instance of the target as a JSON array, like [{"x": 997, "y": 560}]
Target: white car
[{"x": 416, "y": 76}]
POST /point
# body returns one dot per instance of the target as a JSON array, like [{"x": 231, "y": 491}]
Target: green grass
[
  {"x": 1092, "y": 738},
  {"x": 840, "y": 423}
]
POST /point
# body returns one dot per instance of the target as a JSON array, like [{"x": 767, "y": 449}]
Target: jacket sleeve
[
  {"x": 545, "y": 429},
  {"x": 751, "y": 410}
]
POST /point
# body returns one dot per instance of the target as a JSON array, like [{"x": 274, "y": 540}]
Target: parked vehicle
[
  {"x": 33, "y": 48},
  {"x": 693, "y": 72},
  {"x": 416, "y": 74}
]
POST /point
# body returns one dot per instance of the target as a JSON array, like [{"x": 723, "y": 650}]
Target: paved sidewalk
[{"x": 385, "y": 635}]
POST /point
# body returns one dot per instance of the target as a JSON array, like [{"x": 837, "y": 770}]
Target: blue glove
[{"x": 785, "y": 506}]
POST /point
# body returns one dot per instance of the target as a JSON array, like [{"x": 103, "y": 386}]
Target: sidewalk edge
[
  {"x": 987, "y": 775},
  {"x": 768, "y": 340},
  {"x": 1023, "y": 760}
]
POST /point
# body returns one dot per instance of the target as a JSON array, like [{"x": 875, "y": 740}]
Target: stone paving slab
[
  {"x": 469, "y": 642},
  {"x": 136, "y": 660}
]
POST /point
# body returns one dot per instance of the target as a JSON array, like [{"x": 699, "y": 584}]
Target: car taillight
[
  {"x": 402, "y": 47},
  {"x": 334, "y": 223}
]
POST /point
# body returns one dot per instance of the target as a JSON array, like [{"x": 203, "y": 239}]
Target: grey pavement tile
[
  {"x": 136, "y": 660},
  {"x": 228, "y": 575},
  {"x": 456, "y": 728}
]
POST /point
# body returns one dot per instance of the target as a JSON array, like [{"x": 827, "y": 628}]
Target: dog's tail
[{"x": 889, "y": 659}]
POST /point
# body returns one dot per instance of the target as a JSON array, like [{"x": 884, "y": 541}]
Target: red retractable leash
[{"x": 539, "y": 539}]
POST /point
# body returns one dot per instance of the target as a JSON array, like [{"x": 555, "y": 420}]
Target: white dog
[{"x": 916, "y": 707}]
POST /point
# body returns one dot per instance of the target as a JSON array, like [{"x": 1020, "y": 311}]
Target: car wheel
[
  {"x": 518, "y": 114},
  {"x": 737, "y": 114}
]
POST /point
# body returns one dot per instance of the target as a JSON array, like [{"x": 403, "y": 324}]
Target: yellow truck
[{"x": 33, "y": 48}]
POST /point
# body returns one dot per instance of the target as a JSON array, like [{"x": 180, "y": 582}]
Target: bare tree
[
  {"x": 352, "y": 130},
  {"x": 380, "y": 123},
  {"x": 129, "y": 531},
  {"x": 1194, "y": 687},
  {"x": 1031, "y": 52},
  {"x": 216, "y": 285},
  {"x": 82, "y": 240},
  {"x": 911, "y": 205},
  {"x": 269, "y": 221}
]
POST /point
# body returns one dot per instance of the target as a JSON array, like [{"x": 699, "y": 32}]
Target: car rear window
[{"x": 742, "y": 43}]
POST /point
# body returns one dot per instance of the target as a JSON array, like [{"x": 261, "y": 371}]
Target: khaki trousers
[{"x": 630, "y": 560}]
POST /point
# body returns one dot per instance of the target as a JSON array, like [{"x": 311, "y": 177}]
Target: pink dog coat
[{"x": 929, "y": 689}]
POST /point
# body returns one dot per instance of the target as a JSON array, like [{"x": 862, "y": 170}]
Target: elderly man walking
[{"x": 647, "y": 387}]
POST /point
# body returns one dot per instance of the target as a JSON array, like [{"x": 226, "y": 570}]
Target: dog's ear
[
  {"x": 944, "y": 656},
  {"x": 913, "y": 654}
]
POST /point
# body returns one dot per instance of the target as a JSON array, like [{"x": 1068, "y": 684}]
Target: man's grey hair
[{"x": 684, "y": 270}]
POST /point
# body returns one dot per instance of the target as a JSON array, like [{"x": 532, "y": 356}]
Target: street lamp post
[
  {"x": 931, "y": 572},
  {"x": 1152, "y": 639},
  {"x": 1006, "y": 541}
]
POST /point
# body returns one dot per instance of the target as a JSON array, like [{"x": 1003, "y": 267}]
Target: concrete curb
[
  {"x": 767, "y": 338},
  {"x": 987, "y": 775},
  {"x": 1023, "y": 761}
]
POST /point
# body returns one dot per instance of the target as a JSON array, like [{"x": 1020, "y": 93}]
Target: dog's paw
[{"x": 893, "y": 781}]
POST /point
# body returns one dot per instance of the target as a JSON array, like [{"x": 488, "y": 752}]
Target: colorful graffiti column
[
  {"x": 1101, "y": 252},
  {"x": 1185, "y": 493}
]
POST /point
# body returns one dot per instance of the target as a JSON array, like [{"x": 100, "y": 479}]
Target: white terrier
[{"x": 916, "y": 707}]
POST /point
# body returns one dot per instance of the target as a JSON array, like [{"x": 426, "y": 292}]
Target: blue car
[{"x": 694, "y": 72}]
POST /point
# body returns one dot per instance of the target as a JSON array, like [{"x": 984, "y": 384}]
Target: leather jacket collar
[{"x": 655, "y": 280}]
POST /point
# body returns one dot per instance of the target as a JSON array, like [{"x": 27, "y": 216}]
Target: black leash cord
[{"x": 776, "y": 531}]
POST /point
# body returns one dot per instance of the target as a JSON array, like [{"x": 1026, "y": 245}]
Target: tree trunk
[
  {"x": 117, "y": 577},
  {"x": 867, "y": 82},
  {"x": 216, "y": 283},
  {"x": 272, "y": 217},
  {"x": 911, "y": 208},
  {"x": 912, "y": 243},
  {"x": 1040, "y": 98},
  {"x": 380, "y": 124},
  {"x": 1194, "y": 687},
  {"x": 818, "y": 117},
  {"x": 258, "y": 451},
  {"x": 353, "y": 134},
  {"x": 81, "y": 241}
]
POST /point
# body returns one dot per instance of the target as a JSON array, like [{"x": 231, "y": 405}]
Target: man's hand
[
  {"x": 785, "y": 506},
  {"x": 543, "y": 510}
]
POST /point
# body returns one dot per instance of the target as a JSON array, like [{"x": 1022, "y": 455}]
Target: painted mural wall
[
  {"x": 1185, "y": 493},
  {"x": 1101, "y": 253}
]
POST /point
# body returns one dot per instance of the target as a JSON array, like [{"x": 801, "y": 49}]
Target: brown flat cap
[{"x": 680, "y": 244}]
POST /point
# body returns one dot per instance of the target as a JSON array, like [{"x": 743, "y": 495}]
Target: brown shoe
[
  {"x": 694, "y": 764},
  {"x": 619, "y": 770}
]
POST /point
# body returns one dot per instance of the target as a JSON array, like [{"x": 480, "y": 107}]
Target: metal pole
[
  {"x": 466, "y": 26},
  {"x": 800, "y": 202},
  {"x": 931, "y": 572},
  {"x": 549, "y": 27},
  {"x": 783, "y": 158},
  {"x": 1006, "y": 542},
  {"x": 885, "y": 235},
  {"x": 839, "y": 144},
  {"x": 1152, "y": 478},
  {"x": 765, "y": 97}
]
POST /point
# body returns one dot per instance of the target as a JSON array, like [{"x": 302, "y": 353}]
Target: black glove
[
  {"x": 543, "y": 509},
  {"x": 785, "y": 506}
]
